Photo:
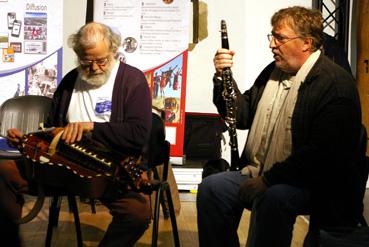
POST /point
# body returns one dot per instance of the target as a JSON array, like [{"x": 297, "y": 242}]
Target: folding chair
[
  {"x": 158, "y": 154},
  {"x": 26, "y": 113}
]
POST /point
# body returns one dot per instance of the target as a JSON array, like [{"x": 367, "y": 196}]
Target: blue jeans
[{"x": 219, "y": 211}]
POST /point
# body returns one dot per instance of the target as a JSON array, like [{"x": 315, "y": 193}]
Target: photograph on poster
[
  {"x": 129, "y": 44},
  {"x": 8, "y": 55},
  {"x": 17, "y": 46},
  {"x": 42, "y": 77},
  {"x": 35, "y": 33},
  {"x": 14, "y": 84},
  {"x": 166, "y": 91},
  {"x": 34, "y": 47}
]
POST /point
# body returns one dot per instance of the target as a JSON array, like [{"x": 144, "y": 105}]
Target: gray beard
[{"x": 99, "y": 79}]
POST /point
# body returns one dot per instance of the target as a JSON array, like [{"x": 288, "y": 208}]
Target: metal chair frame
[
  {"x": 162, "y": 188},
  {"x": 26, "y": 113}
]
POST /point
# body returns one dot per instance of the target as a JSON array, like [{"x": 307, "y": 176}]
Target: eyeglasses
[
  {"x": 279, "y": 39},
  {"x": 99, "y": 62}
]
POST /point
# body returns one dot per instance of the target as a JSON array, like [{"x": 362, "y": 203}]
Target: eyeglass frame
[
  {"x": 99, "y": 62},
  {"x": 278, "y": 39}
]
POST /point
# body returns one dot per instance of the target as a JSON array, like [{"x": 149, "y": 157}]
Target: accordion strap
[
  {"x": 54, "y": 142},
  {"x": 36, "y": 207}
]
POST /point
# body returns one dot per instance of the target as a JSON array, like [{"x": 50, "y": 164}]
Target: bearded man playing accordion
[{"x": 111, "y": 101}]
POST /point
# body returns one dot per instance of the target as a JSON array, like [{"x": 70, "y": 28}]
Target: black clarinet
[{"x": 229, "y": 96}]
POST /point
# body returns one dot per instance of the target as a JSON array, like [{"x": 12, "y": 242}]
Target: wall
[{"x": 74, "y": 16}]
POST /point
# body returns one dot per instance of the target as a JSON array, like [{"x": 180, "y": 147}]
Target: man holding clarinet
[{"x": 304, "y": 118}]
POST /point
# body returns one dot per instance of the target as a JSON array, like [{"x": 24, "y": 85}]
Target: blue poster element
[{"x": 34, "y": 38}]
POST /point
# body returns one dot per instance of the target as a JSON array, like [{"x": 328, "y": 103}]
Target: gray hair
[
  {"x": 305, "y": 22},
  {"x": 91, "y": 33}
]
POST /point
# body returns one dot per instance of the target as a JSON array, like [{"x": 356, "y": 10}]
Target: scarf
[{"x": 269, "y": 139}]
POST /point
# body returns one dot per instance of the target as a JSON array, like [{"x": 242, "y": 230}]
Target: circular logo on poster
[{"x": 129, "y": 44}]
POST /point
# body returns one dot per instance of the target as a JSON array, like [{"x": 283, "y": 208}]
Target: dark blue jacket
[{"x": 130, "y": 122}]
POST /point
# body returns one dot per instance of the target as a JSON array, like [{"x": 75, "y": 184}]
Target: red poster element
[{"x": 168, "y": 89}]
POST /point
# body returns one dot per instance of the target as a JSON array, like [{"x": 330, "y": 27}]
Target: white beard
[{"x": 97, "y": 80}]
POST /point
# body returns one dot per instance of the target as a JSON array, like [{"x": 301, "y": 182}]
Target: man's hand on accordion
[
  {"x": 14, "y": 136},
  {"x": 73, "y": 131}
]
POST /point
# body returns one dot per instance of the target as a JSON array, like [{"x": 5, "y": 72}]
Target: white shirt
[{"x": 92, "y": 104}]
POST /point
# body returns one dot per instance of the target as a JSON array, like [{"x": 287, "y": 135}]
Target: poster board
[
  {"x": 155, "y": 37},
  {"x": 31, "y": 40}
]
